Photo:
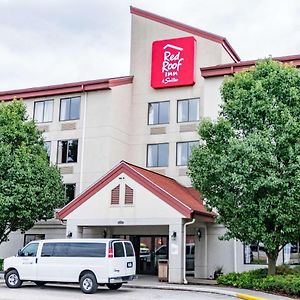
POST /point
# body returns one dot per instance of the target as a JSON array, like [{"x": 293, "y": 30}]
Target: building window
[
  {"x": 70, "y": 189},
  {"x": 33, "y": 237},
  {"x": 48, "y": 148},
  {"x": 158, "y": 113},
  {"x": 69, "y": 109},
  {"x": 115, "y": 195},
  {"x": 158, "y": 155},
  {"x": 255, "y": 254},
  {"x": 188, "y": 110},
  {"x": 184, "y": 151},
  {"x": 67, "y": 151},
  {"x": 128, "y": 195},
  {"x": 43, "y": 111},
  {"x": 291, "y": 254}
]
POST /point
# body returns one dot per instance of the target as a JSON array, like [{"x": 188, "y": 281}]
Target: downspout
[
  {"x": 235, "y": 255},
  {"x": 184, "y": 249},
  {"x": 83, "y": 138}
]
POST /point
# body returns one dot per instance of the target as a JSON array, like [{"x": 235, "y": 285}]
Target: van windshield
[{"x": 74, "y": 250}]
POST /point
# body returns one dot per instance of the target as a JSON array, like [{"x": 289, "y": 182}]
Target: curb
[{"x": 198, "y": 289}]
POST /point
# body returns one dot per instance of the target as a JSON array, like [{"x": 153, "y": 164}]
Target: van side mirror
[{"x": 20, "y": 252}]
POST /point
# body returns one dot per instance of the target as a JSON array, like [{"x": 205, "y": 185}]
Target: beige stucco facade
[{"x": 113, "y": 126}]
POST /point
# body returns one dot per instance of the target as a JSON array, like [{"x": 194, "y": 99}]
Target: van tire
[
  {"x": 114, "y": 286},
  {"x": 12, "y": 279},
  {"x": 88, "y": 283}
]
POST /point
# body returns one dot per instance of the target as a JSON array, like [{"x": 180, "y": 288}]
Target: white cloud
[{"x": 47, "y": 42}]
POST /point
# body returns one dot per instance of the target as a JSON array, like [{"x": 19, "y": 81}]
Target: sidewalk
[{"x": 195, "y": 285}]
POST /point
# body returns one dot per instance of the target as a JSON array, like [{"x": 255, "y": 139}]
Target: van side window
[
  {"x": 74, "y": 249},
  {"x": 129, "y": 249},
  {"x": 30, "y": 250},
  {"x": 118, "y": 249}
]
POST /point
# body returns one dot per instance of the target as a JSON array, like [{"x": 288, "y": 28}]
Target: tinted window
[
  {"x": 74, "y": 249},
  {"x": 29, "y": 250},
  {"x": 129, "y": 249},
  {"x": 118, "y": 249},
  {"x": 70, "y": 108},
  {"x": 158, "y": 155}
]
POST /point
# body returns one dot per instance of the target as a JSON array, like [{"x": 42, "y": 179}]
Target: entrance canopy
[{"x": 134, "y": 192}]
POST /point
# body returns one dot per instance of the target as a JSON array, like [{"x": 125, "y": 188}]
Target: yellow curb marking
[{"x": 248, "y": 297}]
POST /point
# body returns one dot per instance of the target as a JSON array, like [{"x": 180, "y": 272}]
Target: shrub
[
  {"x": 287, "y": 280},
  {"x": 1, "y": 264}
]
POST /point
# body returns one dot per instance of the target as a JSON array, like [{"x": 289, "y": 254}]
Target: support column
[
  {"x": 73, "y": 231},
  {"x": 201, "y": 254},
  {"x": 176, "y": 252}
]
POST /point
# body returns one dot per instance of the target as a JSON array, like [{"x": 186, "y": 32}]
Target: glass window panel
[
  {"x": 29, "y": 250},
  {"x": 48, "y": 148},
  {"x": 193, "y": 110},
  {"x": 62, "y": 151},
  {"x": 72, "y": 151},
  {"x": 129, "y": 249},
  {"x": 75, "y": 108},
  {"x": 70, "y": 189},
  {"x": 153, "y": 113},
  {"x": 48, "y": 111},
  {"x": 118, "y": 249},
  {"x": 152, "y": 156},
  {"x": 191, "y": 146},
  {"x": 64, "y": 109},
  {"x": 291, "y": 254},
  {"x": 182, "y": 154},
  {"x": 255, "y": 254},
  {"x": 183, "y": 111},
  {"x": 163, "y": 155},
  {"x": 38, "y": 111},
  {"x": 164, "y": 112}
]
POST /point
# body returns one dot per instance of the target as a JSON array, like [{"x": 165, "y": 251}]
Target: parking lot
[{"x": 32, "y": 292}]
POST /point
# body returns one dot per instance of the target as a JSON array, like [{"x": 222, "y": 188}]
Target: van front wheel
[
  {"x": 114, "y": 286},
  {"x": 12, "y": 279},
  {"x": 88, "y": 283}
]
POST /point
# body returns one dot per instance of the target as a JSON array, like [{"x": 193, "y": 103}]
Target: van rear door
[
  {"x": 118, "y": 266},
  {"x": 130, "y": 259}
]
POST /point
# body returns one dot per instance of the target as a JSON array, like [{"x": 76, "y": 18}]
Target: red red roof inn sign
[{"x": 173, "y": 62}]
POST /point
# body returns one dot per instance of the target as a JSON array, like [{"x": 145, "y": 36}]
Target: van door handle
[
  {"x": 116, "y": 270},
  {"x": 36, "y": 260}
]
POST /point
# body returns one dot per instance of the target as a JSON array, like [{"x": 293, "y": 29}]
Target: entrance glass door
[{"x": 152, "y": 248}]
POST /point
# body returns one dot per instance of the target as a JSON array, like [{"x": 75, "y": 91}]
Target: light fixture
[
  {"x": 199, "y": 234},
  {"x": 173, "y": 236},
  {"x": 69, "y": 235}
]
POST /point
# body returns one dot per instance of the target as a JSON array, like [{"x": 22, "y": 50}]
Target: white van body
[{"x": 111, "y": 261}]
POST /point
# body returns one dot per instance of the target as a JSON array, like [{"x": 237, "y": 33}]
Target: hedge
[{"x": 286, "y": 281}]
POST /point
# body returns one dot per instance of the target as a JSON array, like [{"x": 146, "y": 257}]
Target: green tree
[
  {"x": 247, "y": 165},
  {"x": 30, "y": 188}
]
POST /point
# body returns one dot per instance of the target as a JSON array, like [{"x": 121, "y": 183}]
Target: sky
[{"x": 57, "y": 41}]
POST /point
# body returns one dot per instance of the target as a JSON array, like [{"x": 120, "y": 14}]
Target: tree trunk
[{"x": 272, "y": 264}]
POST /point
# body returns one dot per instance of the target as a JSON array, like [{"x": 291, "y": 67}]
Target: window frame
[
  {"x": 194, "y": 141},
  {"x": 159, "y": 123},
  {"x": 57, "y": 157},
  {"x": 43, "y": 101},
  {"x": 70, "y": 99},
  {"x": 158, "y": 166},
  {"x": 188, "y": 99}
]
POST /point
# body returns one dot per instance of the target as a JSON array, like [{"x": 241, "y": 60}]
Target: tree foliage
[
  {"x": 248, "y": 163},
  {"x": 30, "y": 188}
]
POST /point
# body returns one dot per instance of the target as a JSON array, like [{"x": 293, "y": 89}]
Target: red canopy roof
[{"x": 185, "y": 200}]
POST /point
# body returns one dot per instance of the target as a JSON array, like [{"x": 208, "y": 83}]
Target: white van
[{"x": 89, "y": 262}]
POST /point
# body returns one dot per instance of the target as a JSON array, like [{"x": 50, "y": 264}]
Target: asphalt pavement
[{"x": 143, "y": 288}]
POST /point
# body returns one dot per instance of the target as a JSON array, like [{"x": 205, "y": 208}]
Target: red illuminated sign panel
[{"x": 173, "y": 62}]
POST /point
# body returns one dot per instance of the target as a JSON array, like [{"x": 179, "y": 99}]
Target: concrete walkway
[{"x": 195, "y": 285}]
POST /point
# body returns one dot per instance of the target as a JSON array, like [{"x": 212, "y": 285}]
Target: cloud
[{"x": 47, "y": 42}]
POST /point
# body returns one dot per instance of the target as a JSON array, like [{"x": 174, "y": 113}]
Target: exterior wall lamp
[
  {"x": 173, "y": 236},
  {"x": 69, "y": 235},
  {"x": 199, "y": 234}
]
